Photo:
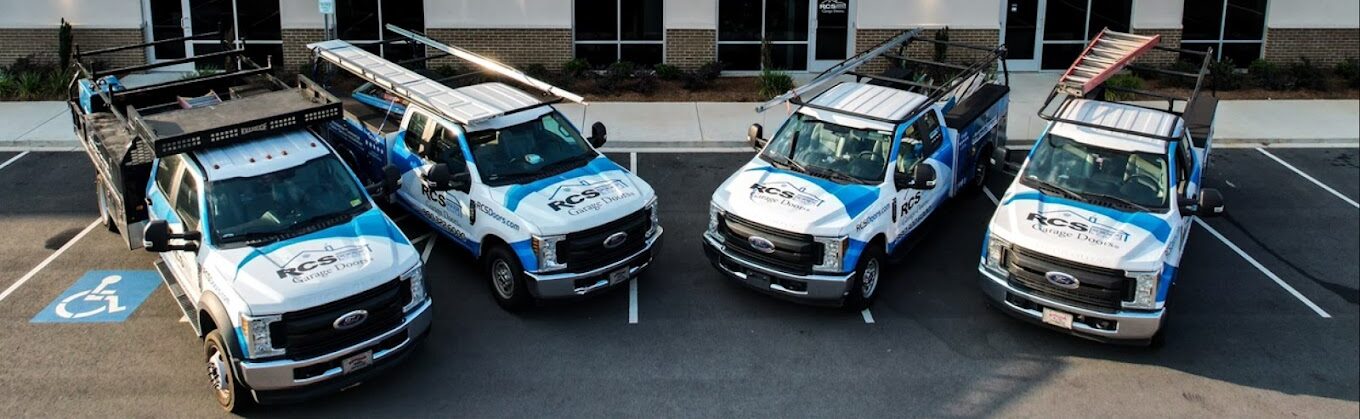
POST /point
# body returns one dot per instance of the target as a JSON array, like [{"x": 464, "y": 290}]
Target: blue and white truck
[
  {"x": 1088, "y": 239},
  {"x": 498, "y": 171},
  {"x": 298, "y": 284},
  {"x": 856, "y": 171}
]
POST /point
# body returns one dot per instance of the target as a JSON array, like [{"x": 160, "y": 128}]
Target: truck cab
[
  {"x": 501, "y": 173},
  {"x": 1088, "y": 239},
  {"x": 849, "y": 180},
  {"x": 297, "y": 282}
]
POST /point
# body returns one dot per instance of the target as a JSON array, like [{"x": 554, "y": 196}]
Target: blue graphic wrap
[
  {"x": 1158, "y": 227},
  {"x": 370, "y": 223},
  {"x": 525, "y": 250},
  {"x": 517, "y": 193},
  {"x": 470, "y": 245},
  {"x": 852, "y": 254},
  {"x": 1164, "y": 282},
  {"x": 855, "y": 198}
]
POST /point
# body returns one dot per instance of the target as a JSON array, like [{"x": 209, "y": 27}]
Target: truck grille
[
  {"x": 309, "y": 333},
  {"x": 1099, "y": 288},
  {"x": 793, "y": 252},
  {"x": 585, "y": 251}
]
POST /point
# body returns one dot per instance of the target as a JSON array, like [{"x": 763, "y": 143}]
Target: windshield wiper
[
  {"x": 567, "y": 163},
  {"x": 788, "y": 163},
  {"x": 838, "y": 176},
  {"x": 1121, "y": 201},
  {"x": 1053, "y": 187}
]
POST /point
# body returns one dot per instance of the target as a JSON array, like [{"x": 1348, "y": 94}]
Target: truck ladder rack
[
  {"x": 844, "y": 67},
  {"x": 1105, "y": 56},
  {"x": 489, "y": 64}
]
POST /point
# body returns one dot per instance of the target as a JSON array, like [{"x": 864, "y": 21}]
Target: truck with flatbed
[
  {"x": 856, "y": 172},
  {"x": 294, "y": 279},
  {"x": 496, "y": 170},
  {"x": 1088, "y": 238}
]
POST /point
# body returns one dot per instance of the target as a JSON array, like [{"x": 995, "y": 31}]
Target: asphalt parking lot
[{"x": 1264, "y": 321}]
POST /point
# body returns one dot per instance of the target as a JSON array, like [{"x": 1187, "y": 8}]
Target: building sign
[
  {"x": 833, "y": 7},
  {"x": 327, "y": 6}
]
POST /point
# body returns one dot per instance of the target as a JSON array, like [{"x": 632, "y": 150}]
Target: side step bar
[{"x": 181, "y": 299}]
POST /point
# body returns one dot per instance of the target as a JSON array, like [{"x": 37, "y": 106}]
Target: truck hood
[
  {"x": 1082, "y": 232},
  {"x": 793, "y": 201},
  {"x": 594, "y": 194},
  {"x": 316, "y": 268}
]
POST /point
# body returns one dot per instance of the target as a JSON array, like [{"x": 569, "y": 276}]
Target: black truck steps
[{"x": 181, "y": 299}]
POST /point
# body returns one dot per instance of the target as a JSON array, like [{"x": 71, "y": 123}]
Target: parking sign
[{"x": 100, "y": 297}]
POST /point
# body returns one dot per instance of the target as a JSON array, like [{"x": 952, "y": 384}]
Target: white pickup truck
[
  {"x": 1088, "y": 239},
  {"x": 298, "y": 284},
  {"x": 498, "y": 171},
  {"x": 854, "y": 174}
]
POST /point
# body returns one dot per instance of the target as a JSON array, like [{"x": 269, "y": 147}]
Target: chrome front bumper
[
  {"x": 564, "y": 285},
  {"x": 815, "y": 288},
  {"x": 1127, "y": 326},
  {"x": 279, "y": 375}
]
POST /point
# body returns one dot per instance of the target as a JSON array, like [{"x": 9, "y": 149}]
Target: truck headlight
[
  {"x": 546, "y": 249},
  {"x": 255, "y": 330},
  {"x": 1144, "y": 290},
  {"x": 415, "y": 278},
  {"x": 714, "y": 214},
  {"x": 833, "y": 252},
  {"x": 656, "y": 218},
  {"x": 996, "y": 254}
]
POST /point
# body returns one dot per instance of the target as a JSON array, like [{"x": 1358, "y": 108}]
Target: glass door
[
  {"x": 169, "y": 19},
  {"x": 1021, "y": 36},
  {"x": 831, "y": 23}
]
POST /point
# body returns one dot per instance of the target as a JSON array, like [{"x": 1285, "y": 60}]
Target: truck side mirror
[
  {"x": 598, "y": 134},
  {"x": 922, "y": 177},
  {"x": 1210, "y": 203},
  {"x": 1009, "y": 160},
  {"x": 156, "y": 238},
  {"x": 439, "y": 178},
  {"x": 461, "y": 181},
  {"x": 755, "y": 135}
]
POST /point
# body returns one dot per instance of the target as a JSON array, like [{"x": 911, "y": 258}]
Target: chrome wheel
[
  {"x": 217, "y": 375},
  {"x": 869, "y": 279},
  {"x": 503, "y": 279}
]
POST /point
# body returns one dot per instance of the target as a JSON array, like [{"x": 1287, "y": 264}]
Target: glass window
[
  {"x": 289, "y": 200},
  {"x": 186, "y": 201},
  {"x": 1113, "y": 178},
  {"x": 1235, "y": 29},
  {"x": 166, "y": 169},
  {"x": 1065, "y": 20},
  {"x": 1113, "y": 14},
  {"x": 785, "y": 24},
  {"x": 357, "y": 20},
  {"x": 364, "y": 22},
  {"x": 608, "y": 31},
  {"x": 529, "y": 151},
  {"x": 415, "y": 131},
  {"x": 258, "y": 19},
  {"x": 736, "y": 22},
  {"x": 1070, "y": 24},
  {"x": 839, "y": 153},
  {"x": 786, "y": 20},
  {"x": 446, "y": 148},
  {"x": 1202, "y": 19},
  {"x": 788, "y": 56},
  {"x": 739, "y": 57}
]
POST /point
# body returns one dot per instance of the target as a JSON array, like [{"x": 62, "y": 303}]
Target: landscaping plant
[
  {"x": 702, "y": 77},
  {"x": 1349, "y": 70},
  {"x": 668, "y": 72},
  {"x": 773, "y": 83},
  {"x": 64, "y": 43},
  {"x": 1124, "y": 81},
  {"x": 1308, "y": 76},
  {"x": 1269, "y": 76}
]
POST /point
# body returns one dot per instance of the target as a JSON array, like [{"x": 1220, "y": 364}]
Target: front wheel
[
  {"x": 507, "y": 280},
  {"x": 231, "y": 396},
  {"x": 867, "y": 278}
]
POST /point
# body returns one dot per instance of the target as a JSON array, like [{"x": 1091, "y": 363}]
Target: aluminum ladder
[{"x": 1105, "y": 56}]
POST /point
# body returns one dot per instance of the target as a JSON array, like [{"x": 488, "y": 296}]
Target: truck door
[
  {"x": 455, "y": 204},
  {"x": 923, "y": 142},
  {"x": 423, "y": 145},
  {"x": 175, "y": 198},
  {"x": 1186, "y": 190}
]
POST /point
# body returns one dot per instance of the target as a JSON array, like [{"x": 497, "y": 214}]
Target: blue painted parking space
[{"x": 100, "y": 297}]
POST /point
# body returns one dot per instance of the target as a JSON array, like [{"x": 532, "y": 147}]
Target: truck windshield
[
  {"x": 1118, "y": 179},
  {"x": 319, "y": 191},
  {"x": 536, "y": 149},
  {"x": 832, "y": 151}
]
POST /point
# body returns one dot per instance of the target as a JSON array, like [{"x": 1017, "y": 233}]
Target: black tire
[
  {"x": 870, "y": 268},
  {"x": 507, "y": 280},
  {"x": 230, "y": 394},
  {"x": 982, "y": 168},
  {"x": 105, "y": 214}
]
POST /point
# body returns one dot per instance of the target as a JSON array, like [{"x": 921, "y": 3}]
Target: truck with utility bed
[
  {"x": 1088, "y": 239},
  {"x": 297, "y": 283},
  {"x": 856, "y": 171},
  {"x": 496, "y": 170}
]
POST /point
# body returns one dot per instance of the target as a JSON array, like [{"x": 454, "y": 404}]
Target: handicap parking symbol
[{"x": 100, "y": 297}]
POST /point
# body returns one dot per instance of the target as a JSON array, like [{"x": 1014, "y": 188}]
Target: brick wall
[
  {"x": 19, "y": 43},
  {"x": 691, "y": 48},
  {"x": 1324, "y": 47},
  {"x": 1171, "y": 38},
  {"x": 517, "y": 47},
  {"x": 295, "y": 53},
  {"x": 868, "y": 38}
]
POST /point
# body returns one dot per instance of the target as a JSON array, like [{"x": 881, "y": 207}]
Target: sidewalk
[{"x": 715, "y": 124}]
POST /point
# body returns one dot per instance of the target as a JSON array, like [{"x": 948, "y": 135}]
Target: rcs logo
[
  {"x": 433, "y": 195},
  {"x": 910, "y": 203},
  {"x": 304, "y": 267},
  {"x": 786, "y": 194},
  {"x": 1058, "y": 222}
]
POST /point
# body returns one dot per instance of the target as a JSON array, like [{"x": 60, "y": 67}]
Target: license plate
[
  {"x": 1057, "y": 318},
  {"x": 356, "y": 362},
  {"x": 758, "y": 278},
  {"x": 618, "y": 276}
]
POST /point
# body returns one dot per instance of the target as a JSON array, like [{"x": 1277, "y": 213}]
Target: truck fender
[{"x": 212, "y": 312}]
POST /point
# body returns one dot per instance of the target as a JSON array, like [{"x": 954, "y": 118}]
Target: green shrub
[
  {"x": 1223, "y": 75},
  {"x": 1123, "y": 81},
  {"x": 702, "y": 77},
  {"x": 1269, "y": 76},
  {"x": 29, "y": 86},
  {"x": 668, "y": 72},
  {"x": 1349, "y": 70},
  {"x": 620, "y": 70},
  {"x": 7, "y": 85},
  {"x": 64, "y": 43},
  {"x": 1307, "y": 76},
  {"x": 576, "y": 69},
  {"x": 773, "y": 83},
  {"x": 1184, "y": 67},
  {"x": 645, "y": 82}
]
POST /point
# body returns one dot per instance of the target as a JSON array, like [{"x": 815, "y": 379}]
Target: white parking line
[
  {"x": 12, "y": 159},
  {"x": 398, "y": 218},
  {"x": 1263, "y": 269},
  {"x": 991, "y": 196},
  {"x": 632, "y": 301},
  {"x": 868, "y": 317},
  {"x": 1310, "y": 178},
  {"x": 422, "y": 237},
  {"x": 47, "y": 261},
  {"x": 424, "y": 256}
]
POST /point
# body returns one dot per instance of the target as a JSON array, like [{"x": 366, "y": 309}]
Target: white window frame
[
  {"x": 1085, "y": 33},
  {"x": 1222, "y": 29},
  {"x": 382, "y": 31},
  {"x": 618, "y": 41},
  {"x": 237, "y": 42},
  {"x": 811, "y": 33}
]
